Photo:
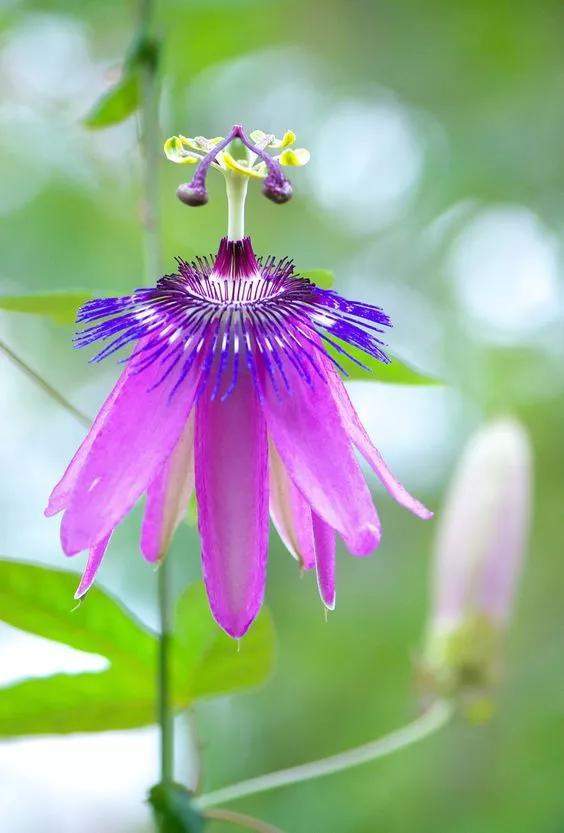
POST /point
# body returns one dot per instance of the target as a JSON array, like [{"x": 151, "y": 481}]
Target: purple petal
[
  {"x": 231, "y": 462},
  {"x": 167, "y": 497},
  {"x": 290, "y": 513},
  {"x": 60, "y": 495},
  {"x": 325, "y": 560},
  {"x": 361, "y": 440},
  {"x": 95, "y": 557},
  {"x": 139, "y": 432},
  {"x": 306, "y": 428}
]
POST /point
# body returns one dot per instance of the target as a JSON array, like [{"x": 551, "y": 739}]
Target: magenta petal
[
  {"x": 290, "y": 513},
  {"x": 60, "y": 495},
  {"x": 325, "y": 560},
  {"x": 361, "y": 440},
  {"x": 138, "y": 434},
  {"x": 231, "y": 462},
  {"x": 167, "y": 497},
  {"x": 305, "y": 426},
  {"x": 95, "y": 557}
]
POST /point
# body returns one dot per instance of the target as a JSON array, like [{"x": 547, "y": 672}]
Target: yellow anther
[
  {"x": 297, "y": 157},
  {"x": 177, "y": 150},
  {"x": 241, "y": 166},
  {"x": 287, "y": 139}
]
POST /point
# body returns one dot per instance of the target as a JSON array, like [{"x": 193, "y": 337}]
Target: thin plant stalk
[
  {"x": 437, "y": 716},
  {"x": 242, "y": 820},
  {"x": 149, "y": 139},
  {"x": 52, "y": 392},
  {"x": 166, "y": 714}
]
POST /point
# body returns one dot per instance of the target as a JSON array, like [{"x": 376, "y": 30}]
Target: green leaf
[
  {"x": 174, "y": 810},
  {"x": 39, "y": 600},
  {"x": 207, "y": 661},
  {"x": 61, "y": 307},
  {"x": 324, "y": 278},
  {"x": 123, "y": 99},
  {"x": 397, "y": 372},
  {"x": 119, "y": 102},
  {"x": 66, "y": 703}
]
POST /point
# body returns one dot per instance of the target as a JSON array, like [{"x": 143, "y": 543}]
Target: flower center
[{"x": 236, "y": 279}]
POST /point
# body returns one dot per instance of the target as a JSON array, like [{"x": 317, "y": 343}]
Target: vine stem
[
  {"x": 57, "y": 397},
  {"x": 149, "y": 141},
  {"x": 242, "y": 820},
  {"x": 437, "y": 716},
  {"x": 166, "y": 715}
]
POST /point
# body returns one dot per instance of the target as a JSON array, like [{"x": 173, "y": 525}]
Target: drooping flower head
[
  {"x": 481, "y": 541},
  {"x": 231, "y": 388}
]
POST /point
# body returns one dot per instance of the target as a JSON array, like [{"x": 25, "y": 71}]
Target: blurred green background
[{"x": 436, "y": 190}]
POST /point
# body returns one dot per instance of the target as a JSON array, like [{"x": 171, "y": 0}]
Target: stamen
[
  {"x": 276, "y": 186},
  {"x": 194, "y": 193}
]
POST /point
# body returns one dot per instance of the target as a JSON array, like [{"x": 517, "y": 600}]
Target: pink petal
[
  {"x": 167, "y": 497},
  {"x": 306, "y": 428},
  {"x": 361, "y": 440},
  {"x": 290, "y": 513},
  {"x": 61, "y": 493},
  {"x": 95, "y": 557},
  {"x": 231, "y": 462},
  {"x": 138, "y": 433},
  {"x": 325, "y": 560}
]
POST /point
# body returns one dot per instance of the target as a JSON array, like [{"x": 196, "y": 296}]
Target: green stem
[
  {"x": 150, "y": 141},
  {"x": 166, "y": 715},
  {"x": 45, "y": 386},
  {"x": 242, "y": 820},
  {"x": 428, "y": 723},
  {"x": 150, "y": 152}
]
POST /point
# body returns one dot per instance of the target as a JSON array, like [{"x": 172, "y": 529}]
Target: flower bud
[{"x": 478, "y": 558}]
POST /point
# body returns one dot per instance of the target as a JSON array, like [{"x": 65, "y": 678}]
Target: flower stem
[
  {"x": 45, "y": 386},
  {"x": 431, "y": 721},
  {"x": 166, "y": 716},
  {"x": 149, "y": 139},
  {"x": 242, "y": 820}
]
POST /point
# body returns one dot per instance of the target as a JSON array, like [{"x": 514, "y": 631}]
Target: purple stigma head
[
  {"x": 189, "y": 195},
  {"x": 276, "y": 190}
]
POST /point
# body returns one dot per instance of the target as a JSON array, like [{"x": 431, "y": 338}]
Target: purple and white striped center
[{"x": 235, "y": 313}]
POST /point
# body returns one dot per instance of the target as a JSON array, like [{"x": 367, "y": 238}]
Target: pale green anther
[
  {"x": 269, "y": 140},
  {"x": 176, "y": 150}
]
